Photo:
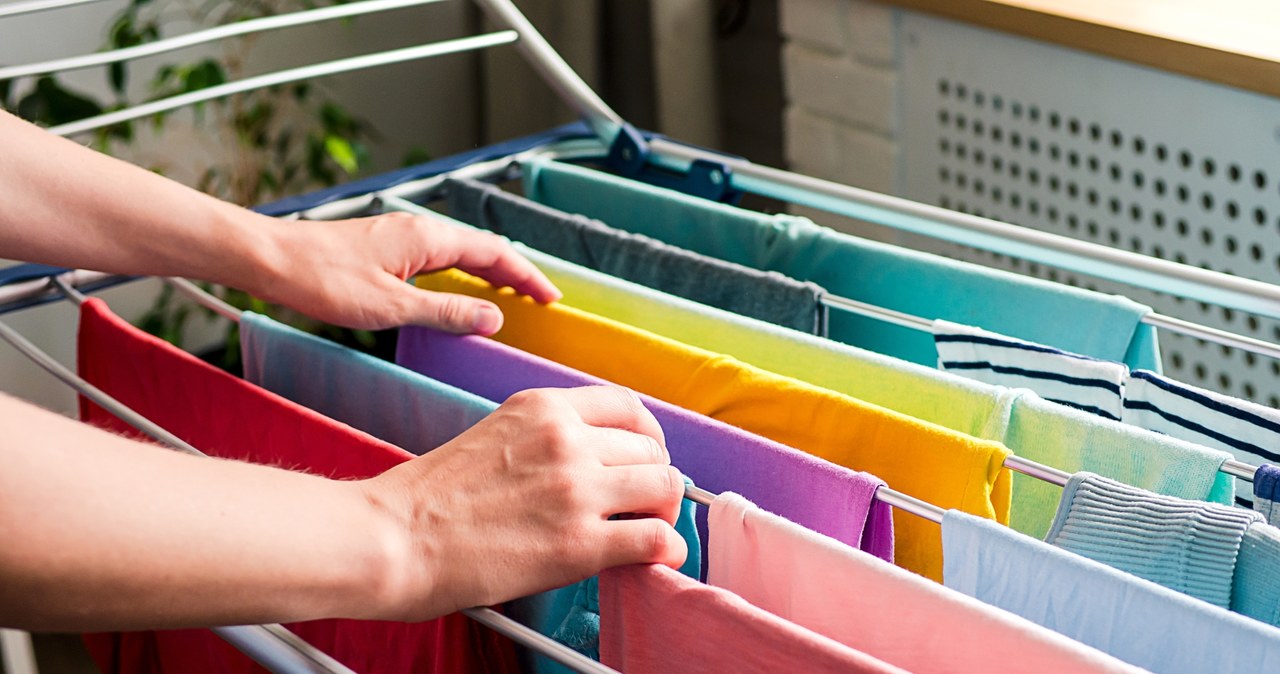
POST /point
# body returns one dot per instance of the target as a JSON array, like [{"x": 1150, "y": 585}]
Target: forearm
[
  {"x": 103, "y": 532},
  {"x": 64, "y": 204}
]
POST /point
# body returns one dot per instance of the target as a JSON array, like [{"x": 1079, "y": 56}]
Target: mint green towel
[{"x": 929, "y": 286}]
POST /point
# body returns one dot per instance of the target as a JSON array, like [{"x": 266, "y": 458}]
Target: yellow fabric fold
[{"x": 941, "y": 466}]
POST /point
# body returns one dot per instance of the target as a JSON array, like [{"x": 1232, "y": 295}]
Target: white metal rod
[
  {"x": 557, "y": 74},
  {"x": 698, "y": 495},
  {"x": 910, "y": 504},
  {"x": 211, "y": 35},
  {"x": 1051, "y": 249},
  {"x": 1037, "y": 470},
  {"x": 531, "y": 638},
  {"x": 17, "y": 654},
  {"x": 1214, "y": 335},
  {"x": 1239, "y": 469},
  {"x": 887, "y": 315},
  {"x": 34, "y": 288},
  {"x": 207, "y": 300},
  {"x": 16, "y": 8},
  {"x": 285, "y": 76}
]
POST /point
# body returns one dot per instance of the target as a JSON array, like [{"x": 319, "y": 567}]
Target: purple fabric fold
[{"x": 816, "y": 494}]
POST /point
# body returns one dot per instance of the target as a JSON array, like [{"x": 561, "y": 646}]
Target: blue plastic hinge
[{"x": 629, "y": 157}]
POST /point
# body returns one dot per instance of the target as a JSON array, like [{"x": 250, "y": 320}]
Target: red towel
[{"x": 229, "y": 417}]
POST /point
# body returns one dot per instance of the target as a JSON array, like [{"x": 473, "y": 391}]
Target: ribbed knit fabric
[
  {"x": 1256, "y": 590},
  {"x": 1188, "y": 546}
]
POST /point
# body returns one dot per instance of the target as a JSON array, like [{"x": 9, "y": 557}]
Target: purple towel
[{"x": 809, "y": 491}]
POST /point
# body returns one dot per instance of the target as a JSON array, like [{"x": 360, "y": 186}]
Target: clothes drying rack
[{"x": 601, "y": 136}]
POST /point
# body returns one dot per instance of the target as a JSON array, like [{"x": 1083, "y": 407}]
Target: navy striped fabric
[
  {"x": 1251, "y": 432},
  {"x": 1085, "y": 383}
]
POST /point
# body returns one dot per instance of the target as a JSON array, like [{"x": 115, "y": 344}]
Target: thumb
[{"x": 453, "y": 313}]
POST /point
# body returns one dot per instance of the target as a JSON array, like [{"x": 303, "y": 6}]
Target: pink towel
[
  {"x": 653, "y": 619},
  {"x": 873, "y": 606}
]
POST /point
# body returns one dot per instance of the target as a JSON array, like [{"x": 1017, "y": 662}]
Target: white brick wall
[{"x": 840, "y": 69}]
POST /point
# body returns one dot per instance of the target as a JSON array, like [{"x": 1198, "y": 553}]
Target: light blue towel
[
  {"x": 380, "y": 398},
  {"x": 1257, "y": 582},
  {"x": 418, "y": 414},
  {"x": 1132, "y": 619},
  {"x": 1188, "y": 546},
  {"x": 929, "y": 286}
]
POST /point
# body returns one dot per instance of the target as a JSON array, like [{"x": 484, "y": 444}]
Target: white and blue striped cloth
[
  {"x": 1140, "y": 398},
  {"x": 1077, "y": 381}
]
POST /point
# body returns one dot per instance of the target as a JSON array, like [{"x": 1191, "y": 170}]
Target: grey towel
[{"x": 764, "y": 295}]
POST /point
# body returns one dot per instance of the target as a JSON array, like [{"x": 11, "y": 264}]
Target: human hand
[
  {"x": 352, "y": 272},
  {"x": 521, "y": 502}
]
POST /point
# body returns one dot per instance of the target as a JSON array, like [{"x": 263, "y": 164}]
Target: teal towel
[
  {"x": 1188, "y": 546},
  {"x": 924, "y": 285},
  {"x": 1256, "y": 591},
  {"x": 418, "y": 414}
]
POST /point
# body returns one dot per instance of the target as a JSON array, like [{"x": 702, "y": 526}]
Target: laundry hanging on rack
[
  {"x": 653, "y": 621},
  {"x": 1103, "y": 326},
  {"x": 1249, "y": 431},
  {"x": 875, "y": 607},
  {"x": 1128, "y": 617},
  {"x": 1040, "y": 431},
  {"x": 388, "y": 401},
  {"x": 768, "y": 296},
  {"x": 938, "y": 465},
  {"x": 817, "y": 494},
  {"x": 230, "y": 418}
]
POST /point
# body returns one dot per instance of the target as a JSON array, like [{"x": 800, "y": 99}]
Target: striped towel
[
  {"x": 1248, "y": 430},
  {"x": 1184, "y": 545},
  {"x": 1085, "y": 383}
]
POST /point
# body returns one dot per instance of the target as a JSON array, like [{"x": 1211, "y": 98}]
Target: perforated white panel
[{"x": 1100, "y": 150}]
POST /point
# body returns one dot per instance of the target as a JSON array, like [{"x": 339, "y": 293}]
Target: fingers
[
  {"x": 617, "y": 447},
  {"x": 450, "y": 312},
  {"x": 643, "y": 541},
  {"x": 493, "y": 259},
  {"x": 614, "y": 407},
  {"x": 643, "y": 490}
]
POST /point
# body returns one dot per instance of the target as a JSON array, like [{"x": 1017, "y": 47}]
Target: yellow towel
[{"x": 941, "y": 466}]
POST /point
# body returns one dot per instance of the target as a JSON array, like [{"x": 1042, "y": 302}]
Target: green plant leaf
[
  {"x": 414, "y": 156},
  {"x": 342, "y": 153},
  {"x": 51, "y": 103},
  {"x": 119, "y": 77}
]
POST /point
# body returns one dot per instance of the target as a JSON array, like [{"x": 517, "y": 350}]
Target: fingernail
[{"x": 486, "y": 320}]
